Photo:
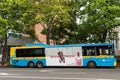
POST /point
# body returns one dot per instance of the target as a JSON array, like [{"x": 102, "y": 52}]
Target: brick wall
[{"x": 41, "y": 37}]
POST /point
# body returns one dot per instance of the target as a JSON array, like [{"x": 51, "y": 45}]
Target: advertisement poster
[{"x": 64, "y": 56}]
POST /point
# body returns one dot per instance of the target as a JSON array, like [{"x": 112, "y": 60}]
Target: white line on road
[
  {"x": 6, "y": 74},
  {"x": 68, "y": 73},
  {"x": 46, "y": 70},
  {"x": 105, "y": 79}
]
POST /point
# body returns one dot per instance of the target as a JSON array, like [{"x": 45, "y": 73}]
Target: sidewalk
[
  {"x": 118, "y": 64},
  {"x": 7, "y": 64}
]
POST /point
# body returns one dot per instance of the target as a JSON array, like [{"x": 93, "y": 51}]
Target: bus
[{"x": 74, "y": 55}]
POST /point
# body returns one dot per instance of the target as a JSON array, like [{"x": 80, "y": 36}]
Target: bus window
[
  {"x": 96, "y": 50},
  {"x": 104, "y": 50},
  {"x": 89, "y": 51},
  {"x": 36, "y": 52},
  {"x": 39, "y": 52}
]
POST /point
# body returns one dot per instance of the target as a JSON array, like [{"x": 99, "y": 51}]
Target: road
[{"x": 59, "y": 74}]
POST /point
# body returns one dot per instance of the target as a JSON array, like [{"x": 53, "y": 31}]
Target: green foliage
[
  {"x": 53, "y": 14},
  {"x": 17, "y": 16},
  {"x": 58, "y": 17},
  {"x": 101, "y": 18},
  {"x": 72, "y": 27}
]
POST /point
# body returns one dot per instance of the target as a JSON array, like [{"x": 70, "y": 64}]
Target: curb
[{"x": 5, "y": 65}]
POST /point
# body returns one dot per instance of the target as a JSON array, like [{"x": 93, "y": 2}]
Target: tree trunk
[
  {"x": 48, "y": 36},
  {"x": 103, "y": 36},
  {"x": 4, "y": 54}
]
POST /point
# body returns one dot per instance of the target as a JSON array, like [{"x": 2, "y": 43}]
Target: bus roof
[
  {"x": 21, "y": 47},
  {"x": 71, "y": 45},
  {"x": 37, "y": 44}
]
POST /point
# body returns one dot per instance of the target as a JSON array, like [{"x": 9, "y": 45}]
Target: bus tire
[
  {"x": 31, "y": 64},
  {"x": 91, "y": 64},
  {"x": 39, "y": 64}
]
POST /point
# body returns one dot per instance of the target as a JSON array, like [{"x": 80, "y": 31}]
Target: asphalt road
[{"x": 59, "y": 74}]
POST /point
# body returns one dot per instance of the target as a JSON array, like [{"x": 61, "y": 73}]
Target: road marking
[
  {"x": 68, "y": 73},
  {"x": 105, "y": 79},
  {"x": 46, "y": 70},
  {"x": 56, "y": 78},
  {"x": 6, "y": 74}
]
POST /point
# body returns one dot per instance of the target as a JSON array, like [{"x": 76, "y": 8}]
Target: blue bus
[{"x": 80, "y": 55}]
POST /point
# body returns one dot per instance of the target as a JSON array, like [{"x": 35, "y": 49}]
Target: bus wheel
[
  {"x": 91, "y": 64},
  {"x": 39, "y": 64},
  {"x": 31, "y": 65}
]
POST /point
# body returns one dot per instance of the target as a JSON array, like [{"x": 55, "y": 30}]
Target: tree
[
  {"x": 51, "y": 14},
  {"x": 17, "y": 16},
  {"x": 73, "y": 25},
  {"x": 100, "y": 17}
]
